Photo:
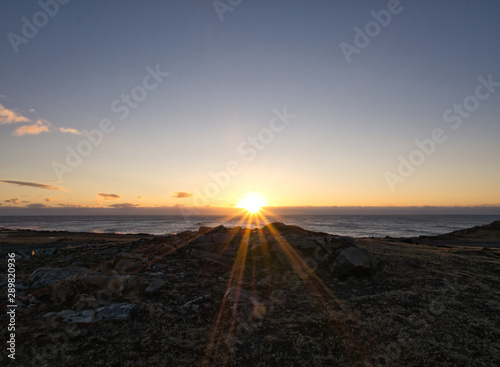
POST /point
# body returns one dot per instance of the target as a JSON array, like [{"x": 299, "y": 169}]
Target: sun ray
[{"x": 252, "y": 202}]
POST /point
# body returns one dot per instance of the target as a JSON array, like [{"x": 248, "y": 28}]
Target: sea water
[{"x": 347, "y": 225}]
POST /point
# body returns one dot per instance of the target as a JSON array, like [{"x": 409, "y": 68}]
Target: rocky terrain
[{"x": 275, "y": 296}]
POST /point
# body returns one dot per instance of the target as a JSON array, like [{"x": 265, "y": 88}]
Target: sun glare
[{"x": 252, "y": 202}]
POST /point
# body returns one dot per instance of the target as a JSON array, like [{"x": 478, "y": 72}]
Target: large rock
[
  {"x": 352, "y": 260},
  {"x": 282, "y": 229},
  {"x": 46, "y": 277},
  {"x": 213, "y": 239},
  {"x": 113, "y": 312}
]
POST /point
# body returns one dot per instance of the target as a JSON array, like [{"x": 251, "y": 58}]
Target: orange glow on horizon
[{"x": 252, "y": 202}]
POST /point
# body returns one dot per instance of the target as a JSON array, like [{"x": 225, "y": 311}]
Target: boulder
[
  {"x": 352, "y": 260},
  {"x": 284, "y": 229},
  {"x": 300, "y": 242},
  {"x": 45, "y": 276},
  {"x": 282, "y": 255},
  {"x": 82, "y": 317},
  {"x": 213, "y": 241},
  {"x": 86, "y": 301},
  {"x": 93, "y": 280},
  {"x": 113, "y": 312},
  {"x": 127, "y": 265},
  {"x": 62, "y": 293}
]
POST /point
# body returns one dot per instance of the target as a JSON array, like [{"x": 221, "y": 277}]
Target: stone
[
  {"x": 61, "y": 293},
  {"x": 82, "y": 317},
  {"x": 283, "y": 229},
  {"x": 209, "y": 256},
  {"x": 155, "y": 286},
  {"x": 256, "y": 247},
  {"x": 86, "y": 301},
  {"x": 45, "y": 276},
  {"x": 353, "y": 261},
  {"x": 96, "y": 280},
  {"x": 125, "y": 265},
  {"x": 204, "y": 229},
  {"x": 279, "y": 254},
  {"x": 114, "y": 312},
  {"x": 204, "y": 242},
  {"x": 299, "y": 242}
]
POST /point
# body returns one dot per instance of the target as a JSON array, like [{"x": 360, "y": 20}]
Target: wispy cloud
[
  {"x": 109, "y": 196},
  {"x": 33, "y": 184},
  {"x": 73, "y": 206},
  {"x": 36, "y": 206},
  {"x": 123, "y": 206},
  {"x": 41, "y": 126},
  {"x": 10, "y": 116},
  {"x": 181, "y": 195},
  {"x": 12, "y": 201},
  {"x": 50, "y": 200},
  {"x": 69, "y": 130}
]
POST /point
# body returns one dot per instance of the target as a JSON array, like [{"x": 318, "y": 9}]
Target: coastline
[{"x": 487, "y": 235}]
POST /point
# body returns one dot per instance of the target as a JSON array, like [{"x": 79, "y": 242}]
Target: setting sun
[{"x": 252, "y": 202}]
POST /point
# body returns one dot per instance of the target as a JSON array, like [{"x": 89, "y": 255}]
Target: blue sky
[{"x": 353, "y": 120}]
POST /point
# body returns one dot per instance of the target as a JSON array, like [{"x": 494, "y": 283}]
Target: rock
[
  {"x": 186, "y": 235},
  {"x": 62, "y": 293},
  {"x": 86, "y": 301},
  {"x": 300, "y": 242},
  {"x": 283, "y": 229},
  {"x": 96, "y": 280},
  {"x": 209, "y": 256},
  {"x": 127, "y": 265},
  {"x": 116, "y": 283},
  {"x": 43, "y": 277},
  {"x": 244, "y": 305},
  {"x": 222, "y": 239},
  {"x": 45, "y": 252},
  {"x": 114, "y": 312},
  {"x": 219, "y": 229},
  {"x": 353, "y": 261},
  {"x": 256, "y": 247},
  {"x": 279, "y": 253},
  {"x": 84, "y": 317},
  {"x": 213, "y": 241},
  {"x": 155, "y": 286},
  {"x": 204, "y": 242},
  {"x": 204, "y": 229}
]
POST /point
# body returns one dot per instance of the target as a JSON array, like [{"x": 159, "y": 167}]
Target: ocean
[{"x": 347, "y": 225}]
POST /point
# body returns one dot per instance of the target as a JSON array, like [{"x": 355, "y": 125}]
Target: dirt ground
[{"x": 424, "y": 306}]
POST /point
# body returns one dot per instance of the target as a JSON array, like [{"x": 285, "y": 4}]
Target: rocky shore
[{"x": 275, "y": 296}]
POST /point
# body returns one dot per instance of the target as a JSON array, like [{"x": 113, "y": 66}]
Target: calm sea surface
[{"x": 349, "y": 225}]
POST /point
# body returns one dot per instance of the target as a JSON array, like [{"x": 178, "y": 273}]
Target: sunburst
[{"x": 252, "y": 202}]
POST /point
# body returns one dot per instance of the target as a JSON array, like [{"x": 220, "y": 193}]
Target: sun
[{"x": 252, "y": 202}]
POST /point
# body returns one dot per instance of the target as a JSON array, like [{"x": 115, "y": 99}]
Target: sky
[{"x": 173, "y": 105}]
